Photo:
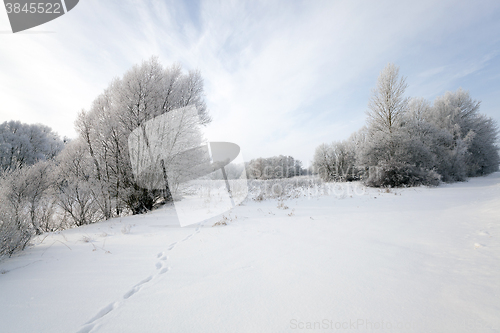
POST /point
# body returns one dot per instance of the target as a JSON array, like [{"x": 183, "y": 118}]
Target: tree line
[
  {"x": 275, "y": 167},
  {"x": 410, "y": 142},
  {"x": 46, "y": 184}
]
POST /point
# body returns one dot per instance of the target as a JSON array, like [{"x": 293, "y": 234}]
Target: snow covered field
[{"x": 410, "y": 260}]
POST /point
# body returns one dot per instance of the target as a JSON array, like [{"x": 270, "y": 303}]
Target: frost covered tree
[
  {"x": 40, "y": 196},
  {"x": 484, "y": 153},
  {"x": 27, "y": 205},
  {"x": 144, "y": 92},
  {"x": 336, "y": 161},
  {"x": 15, "y": 230},
  {"x": 387, "y": 104},
  {"x": 393, "y": 146},
  {"x": 77, "y": 185},
  {"x": 27, "y": 198},
  {"x": 387, "y": 109},
  {"x": 275, "y": 167},
  {"x": 24, "y": 144},
  {"x": 473, "y": 149}
]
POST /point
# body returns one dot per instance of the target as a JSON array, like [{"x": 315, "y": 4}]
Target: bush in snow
[
  {"x": 398, "y": 174},
  {"x": 27, "y": 206}
]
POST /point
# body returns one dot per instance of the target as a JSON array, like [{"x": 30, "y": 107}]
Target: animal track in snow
[
  {"x": 91, "y": 324},
  {"x": 94, "y": 323},
  {"x": 137, "y": 287},
  {"x": 86, "y": 328},
  {"x": 149, "y": 278},
  {"x": 131, "y": 292},
  {"x": 104, "y": 311},
  {"x": 164, "y": 270}
]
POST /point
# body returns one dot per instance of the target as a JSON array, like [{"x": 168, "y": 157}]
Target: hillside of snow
[{"x": 402, "y": 260}]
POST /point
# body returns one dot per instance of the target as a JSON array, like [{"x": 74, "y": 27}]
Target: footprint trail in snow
[{"x": 97, "y": 321}]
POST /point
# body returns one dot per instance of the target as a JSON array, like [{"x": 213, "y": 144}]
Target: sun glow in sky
[{"x": 281, "y": 77}]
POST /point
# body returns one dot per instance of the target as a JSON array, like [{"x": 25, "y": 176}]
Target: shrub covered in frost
[{"x": 398, "y": 174}]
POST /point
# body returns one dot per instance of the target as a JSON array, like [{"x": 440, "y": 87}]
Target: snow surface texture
[{"x": 403, "y": 260}]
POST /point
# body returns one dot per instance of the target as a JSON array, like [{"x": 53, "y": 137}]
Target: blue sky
[{"x": 281, "y": 77}]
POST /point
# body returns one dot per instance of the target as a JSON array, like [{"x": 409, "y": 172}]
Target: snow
[{"x": 407, "y": 260}]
